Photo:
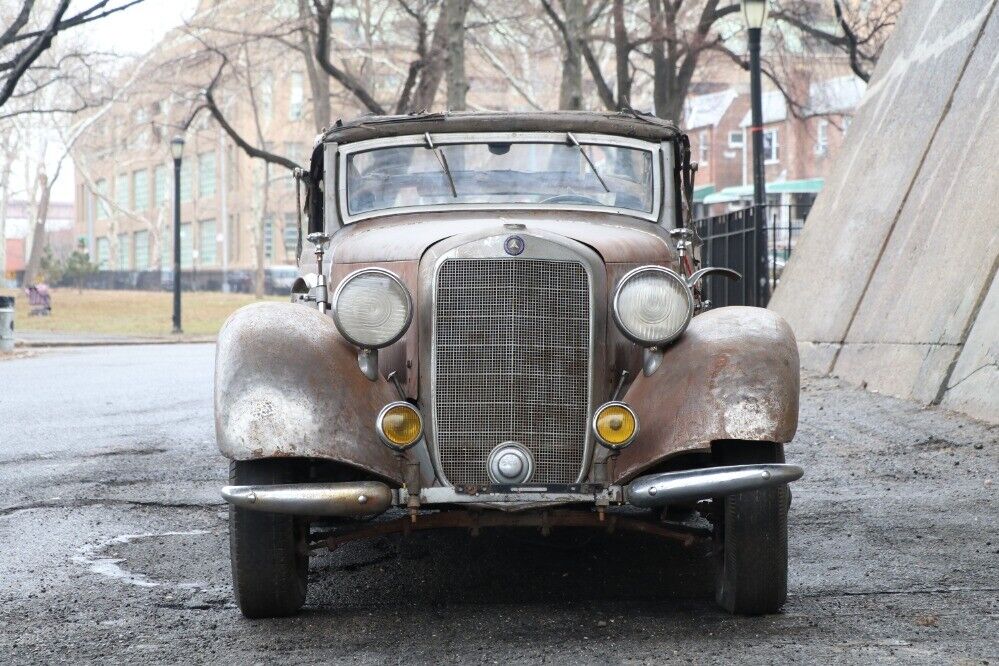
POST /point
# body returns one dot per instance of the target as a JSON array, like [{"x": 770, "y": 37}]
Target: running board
[{"x": 657, "y": 490}]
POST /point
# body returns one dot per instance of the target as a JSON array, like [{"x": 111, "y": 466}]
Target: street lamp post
[
  {"x": 755, "y": 14},
  {"x": 177, "y": 151}
]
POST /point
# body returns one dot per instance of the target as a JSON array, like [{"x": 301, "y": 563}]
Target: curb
[{"x": 45, "y": 344}]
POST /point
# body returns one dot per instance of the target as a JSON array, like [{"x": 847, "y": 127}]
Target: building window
[
  {"x": 735, "y": 139},
  {"x": 186, "y": 246},
  {"x": 771, "y": 150},
  {"x": 103, "y": 253},
  {"x": 140, "y": 188},
  {"x": 206, "y": 175},
  {"x": 102, "y": 194},
  {"x": 207, "y": 243},
  {"x": 703, "y": 146},
  {"x": 123, "y": 252},
  {"x": 141, "y": 242},
  {"x": 185, "y": 181},
  {"x": 268, "y": 237},
  {"x": 296, "y": 98},
  {"x": 160, "y": 185},
  {"x": 822, "y": 137},
  {"x": 121, "y": 197},
  {"x": 290, "y": 236}
]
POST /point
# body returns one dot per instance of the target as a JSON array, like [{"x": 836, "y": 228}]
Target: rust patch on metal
[{"x": 733, "y": 375}]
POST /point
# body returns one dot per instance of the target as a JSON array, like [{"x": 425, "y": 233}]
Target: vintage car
[{"x": 505, "y": 329}]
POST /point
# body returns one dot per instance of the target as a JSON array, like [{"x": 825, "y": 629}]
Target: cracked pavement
[{"x": 115, "y": 548}]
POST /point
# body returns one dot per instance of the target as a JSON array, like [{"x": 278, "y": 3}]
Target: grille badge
[{"x": 514, "y": 245}]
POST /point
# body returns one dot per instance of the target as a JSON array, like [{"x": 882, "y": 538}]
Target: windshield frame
[{"x": 654, "y": 149}]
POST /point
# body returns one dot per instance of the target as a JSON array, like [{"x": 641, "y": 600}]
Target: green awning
[
  {"x": 739, "y": 192},
  {"x": 806, "y": 186},
  {"x": 729, "y": 194},
  {"x": 702, "y": 191}
]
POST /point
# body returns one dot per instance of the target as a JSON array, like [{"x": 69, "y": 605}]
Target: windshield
[{"x": 566, "y": 174}]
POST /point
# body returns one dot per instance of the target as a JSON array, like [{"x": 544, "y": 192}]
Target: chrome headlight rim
[
  {"x": 596, "y": 432},
  {"x": 615, "y": 313},
  {"x": 358, "y": 273},
  {"x": 379, "y": 427}
]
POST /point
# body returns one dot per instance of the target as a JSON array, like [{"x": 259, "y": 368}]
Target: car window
[{"x": 500, "y": 173}]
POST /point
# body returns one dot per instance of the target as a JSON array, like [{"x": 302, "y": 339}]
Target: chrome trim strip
[{"x": 512, "y": 137}]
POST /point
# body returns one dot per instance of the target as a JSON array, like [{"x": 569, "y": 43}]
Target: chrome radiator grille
[{"x": 512, "y": 353}]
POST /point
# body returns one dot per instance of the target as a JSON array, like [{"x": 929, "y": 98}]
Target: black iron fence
[
  {"x": 240, "y": 281},
  {"x": 730, "y": 242}
]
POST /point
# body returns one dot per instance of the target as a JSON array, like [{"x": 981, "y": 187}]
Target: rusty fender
[
  {"x": 732, "y": 375},
  {"x": 287, "y": 385}
]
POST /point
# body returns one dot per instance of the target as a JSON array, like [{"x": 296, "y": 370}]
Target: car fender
[
  {"x": 287, "y": 385},
  {"x": 733, "y": 375}
]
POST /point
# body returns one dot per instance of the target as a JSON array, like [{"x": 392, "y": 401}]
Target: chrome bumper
[{"x": 370, "y": 498}]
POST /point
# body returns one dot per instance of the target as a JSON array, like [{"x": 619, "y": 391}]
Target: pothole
[{"x": 178, "y": 560}]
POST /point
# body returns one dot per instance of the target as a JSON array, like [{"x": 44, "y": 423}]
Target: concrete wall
[{"x": 893, "y": 282}]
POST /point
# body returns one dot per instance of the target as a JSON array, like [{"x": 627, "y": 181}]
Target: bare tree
[
  {"x": 858, "y": 30},
  {"x": 32, "y": 29},
  {"x": 455, "y": 12}
]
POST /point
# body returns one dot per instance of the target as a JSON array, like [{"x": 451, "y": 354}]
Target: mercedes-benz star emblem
[{"x": 514, "y": 245}]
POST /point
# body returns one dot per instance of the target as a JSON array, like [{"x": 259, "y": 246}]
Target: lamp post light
[
  {"x": 755, "y": 14},
  {"x": 177, "y": 151}
]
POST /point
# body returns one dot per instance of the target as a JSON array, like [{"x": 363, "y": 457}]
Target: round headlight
[
  {"x": 653, "y": 305},
  {"x": 615, "y": 425},
  {"x": 372, "y": 308},
  {"x": 399, "y": 425}
]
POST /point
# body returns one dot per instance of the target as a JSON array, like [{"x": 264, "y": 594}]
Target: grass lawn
[{"x": 130, "y": 313}]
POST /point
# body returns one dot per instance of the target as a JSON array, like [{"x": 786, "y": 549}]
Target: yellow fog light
[
  {"x": 399, "y": 425},
  {"x": 615, "y": 425}
]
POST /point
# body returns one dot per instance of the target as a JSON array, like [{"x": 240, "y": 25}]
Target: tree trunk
[
  {"x": 622, "y": 49},
  {"x": 570, "y": 94},
  {"x": 4, "y": 198},
  {"x": 457, "y": 81},
  {"x": 433, "y": 69},
  {"x": 319, "y": 82},
  {"x": 38, "y": 233}
]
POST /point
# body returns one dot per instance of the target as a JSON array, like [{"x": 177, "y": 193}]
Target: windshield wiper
[
  {"x": 443, "y": 161},
  {"x": 593, "y": 167}
]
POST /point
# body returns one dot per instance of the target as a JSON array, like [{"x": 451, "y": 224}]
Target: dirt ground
[{"x": 115, "y": 548}]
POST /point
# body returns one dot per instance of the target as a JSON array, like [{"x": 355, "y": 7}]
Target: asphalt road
[{"x": 113, "y": 546}]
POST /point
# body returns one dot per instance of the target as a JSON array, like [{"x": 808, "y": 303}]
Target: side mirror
[{"x": 698, "y": 275}]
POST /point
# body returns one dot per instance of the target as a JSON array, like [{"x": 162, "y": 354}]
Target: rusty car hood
[{"x": 616, "y": 238}]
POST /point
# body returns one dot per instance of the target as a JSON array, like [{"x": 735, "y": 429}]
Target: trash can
[{"x": 6, "y": 323}]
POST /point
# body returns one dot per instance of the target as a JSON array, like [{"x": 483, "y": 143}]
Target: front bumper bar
[{"x": 370, "y": 498}]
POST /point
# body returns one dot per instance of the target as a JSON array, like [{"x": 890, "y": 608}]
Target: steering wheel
[{"x": 570, "y": 198}]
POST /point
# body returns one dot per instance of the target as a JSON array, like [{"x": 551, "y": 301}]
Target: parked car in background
[{"x": 505, "y": 330}]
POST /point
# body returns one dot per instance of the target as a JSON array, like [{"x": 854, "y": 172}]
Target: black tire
[
  {"x": 269, "y": 552},
  {"x": 751, "y": 535}
]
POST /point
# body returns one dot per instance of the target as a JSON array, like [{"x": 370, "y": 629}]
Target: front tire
[
  {"x": 751, "y": 534},
  {"x": 269, "y": 552}
]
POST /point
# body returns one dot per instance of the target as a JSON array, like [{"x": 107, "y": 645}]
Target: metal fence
[{"x": 730, "y": 242}]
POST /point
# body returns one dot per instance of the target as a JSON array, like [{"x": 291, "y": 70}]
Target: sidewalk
[{"x": 38, "y": 339}]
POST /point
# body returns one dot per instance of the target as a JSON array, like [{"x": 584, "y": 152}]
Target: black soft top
[{"x": 627, "y": 124}]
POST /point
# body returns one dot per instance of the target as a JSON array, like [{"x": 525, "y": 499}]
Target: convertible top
[{"x": 630, "y": 124}]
